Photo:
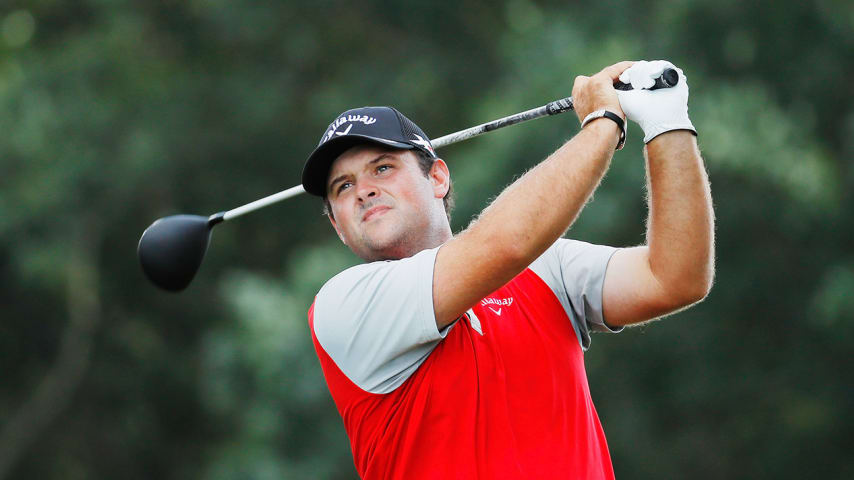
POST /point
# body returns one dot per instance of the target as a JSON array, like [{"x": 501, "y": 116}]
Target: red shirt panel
[{"x": 510, "y": 403}]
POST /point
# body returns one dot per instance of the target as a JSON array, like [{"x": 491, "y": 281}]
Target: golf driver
[{"x": 172, "y": 248}]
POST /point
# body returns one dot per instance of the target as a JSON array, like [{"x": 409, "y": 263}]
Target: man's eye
[
  {"x": 383, "y": 168},
  {"x": 343, "y": 186}
]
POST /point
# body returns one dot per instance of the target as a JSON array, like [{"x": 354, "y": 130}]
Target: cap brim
[{"x": 316, "y": 170}]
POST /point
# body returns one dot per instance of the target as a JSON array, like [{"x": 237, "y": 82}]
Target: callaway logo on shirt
[{"x": 489, "y": 302}]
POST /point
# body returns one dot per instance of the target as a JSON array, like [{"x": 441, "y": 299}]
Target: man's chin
[
  {"x": 374, "y": 253},
  {"x": 383, "y": 247}
]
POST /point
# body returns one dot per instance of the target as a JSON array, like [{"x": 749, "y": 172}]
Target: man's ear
[
  {"x": 337, "y": 230},
  {"x": 440, "y": 177}
]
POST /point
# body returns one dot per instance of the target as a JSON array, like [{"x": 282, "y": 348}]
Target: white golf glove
[{"x": 656, "y": 111}]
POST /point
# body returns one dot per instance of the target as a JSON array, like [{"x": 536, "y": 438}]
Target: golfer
[{"x": 461, "y": 356}]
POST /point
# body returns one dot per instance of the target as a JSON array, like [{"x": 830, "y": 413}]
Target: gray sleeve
[
  {"x": 376, "y": 320},
  {"x": 575, "y": 271}
]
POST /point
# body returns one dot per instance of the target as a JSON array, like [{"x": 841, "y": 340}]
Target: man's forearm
[
  {"x": 534, "y": 211},
  {"x": 680, "y": 230},
  {"x": 538, "y": 208},
  {"x": 521, "y": 223}
]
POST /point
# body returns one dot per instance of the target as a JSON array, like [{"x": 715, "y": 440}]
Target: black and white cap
[{"x": 379, "y": 125}]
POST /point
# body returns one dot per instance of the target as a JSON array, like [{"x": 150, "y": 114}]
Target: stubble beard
[{"x": 392, "y": 237}]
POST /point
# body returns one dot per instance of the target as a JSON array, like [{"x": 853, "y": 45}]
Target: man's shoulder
[
  {"x": 566, "y": 250},
  {"x": 353, "y": 276},
  {"x": 355, "y": 271},
  {"x": 370, "y": 275}
]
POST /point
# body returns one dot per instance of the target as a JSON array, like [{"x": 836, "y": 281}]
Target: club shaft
[
  {"x": 551, "y": 108},
  {"x": 263, "y": 202}
]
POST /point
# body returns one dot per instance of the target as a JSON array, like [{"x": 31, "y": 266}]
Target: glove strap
[{"x": 612, "y": 116}]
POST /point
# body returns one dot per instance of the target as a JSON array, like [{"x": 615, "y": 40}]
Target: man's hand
[
  {"x": 656, "y": 111},
  {"x": 597, "y": 92}
]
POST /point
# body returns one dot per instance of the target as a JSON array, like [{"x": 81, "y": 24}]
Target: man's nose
[{"x": 366, "y": 190}]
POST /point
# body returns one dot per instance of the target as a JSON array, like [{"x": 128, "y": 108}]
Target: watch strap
[{"x": 602, "y": 113}]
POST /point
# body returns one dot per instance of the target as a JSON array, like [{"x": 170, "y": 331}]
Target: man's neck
[{"x": 413, "y": 246}]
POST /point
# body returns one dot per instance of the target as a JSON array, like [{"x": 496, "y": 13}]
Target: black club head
[{"x": 172, "y": 248}]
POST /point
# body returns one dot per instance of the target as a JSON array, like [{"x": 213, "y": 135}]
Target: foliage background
[{"x": 115, "y": 113}]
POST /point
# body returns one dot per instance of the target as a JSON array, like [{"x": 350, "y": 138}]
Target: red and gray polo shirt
[{"x": 500, "y": 393}]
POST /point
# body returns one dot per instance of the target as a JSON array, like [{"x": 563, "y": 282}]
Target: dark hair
[{"x": 425, "y": 162}]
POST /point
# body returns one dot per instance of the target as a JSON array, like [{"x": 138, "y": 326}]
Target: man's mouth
[{"x": 374, "y": 212}]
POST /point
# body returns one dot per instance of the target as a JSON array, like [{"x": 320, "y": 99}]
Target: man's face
[{"x": 383, "y": 206}]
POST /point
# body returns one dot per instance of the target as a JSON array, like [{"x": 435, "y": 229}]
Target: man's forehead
[{"x": 360, "y": 155}]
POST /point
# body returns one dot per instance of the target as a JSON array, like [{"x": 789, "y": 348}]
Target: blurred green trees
[{"x": 116, "y": 113}]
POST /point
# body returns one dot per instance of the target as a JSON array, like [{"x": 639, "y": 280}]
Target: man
[{"x": 460, "y": 356}]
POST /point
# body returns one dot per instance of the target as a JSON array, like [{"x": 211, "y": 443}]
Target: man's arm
[
  {"x": 676, "y": 267},
  {"x": 533, "y": 212}
]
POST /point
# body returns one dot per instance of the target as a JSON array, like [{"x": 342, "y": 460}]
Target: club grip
[
  {"x": 559, "y": 106},
  {"x": 668, "y": 78}
]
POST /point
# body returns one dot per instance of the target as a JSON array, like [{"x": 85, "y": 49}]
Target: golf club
[{"x": 172, "y": 248}]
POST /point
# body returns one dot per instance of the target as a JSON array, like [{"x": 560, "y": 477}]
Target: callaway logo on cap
[{"x": 380, "y": 125}]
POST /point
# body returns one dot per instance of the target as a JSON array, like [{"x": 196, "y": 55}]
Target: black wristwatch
[{"x": 610, "y": 115}]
